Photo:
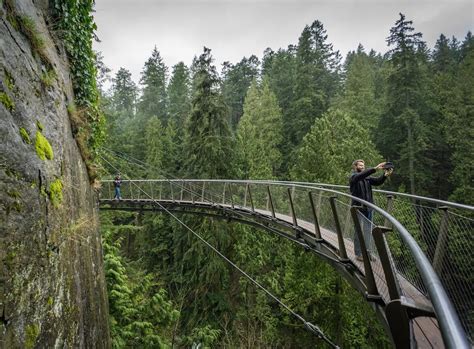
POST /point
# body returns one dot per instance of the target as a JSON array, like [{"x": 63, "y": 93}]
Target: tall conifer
[
  {"x": 209, "y": 140},
  {"x": 153, "y": 101}
]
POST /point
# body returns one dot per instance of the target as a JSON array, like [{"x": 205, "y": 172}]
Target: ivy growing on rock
[{"x": 75, "y": 25}]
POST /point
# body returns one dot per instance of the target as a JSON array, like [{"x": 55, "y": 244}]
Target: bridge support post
[
  {"x": 270, "y": 201},
  {"x": 182, "y": 191},
  {"x": 250, "y": 197},
  {"x": 317, "y": 230},
  {"x": 397, "y": 309},
  {"x": 386, "y": 261},
  {"x": 202, "y": 194},
  {"x": 400, "y": 325},
  {"x": 223, "y": 193},
  {"x": 442, "y": 242},
  {"x": 369, "y": 273},
  {"x": 292, "y": 207},
  {"x": 172, "y": 193},
  {"x": 340, "y": 237},
  {"x": 231, "y": 195}
]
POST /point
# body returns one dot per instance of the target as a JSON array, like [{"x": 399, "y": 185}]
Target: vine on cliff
[{"x": 76, "y": 27}]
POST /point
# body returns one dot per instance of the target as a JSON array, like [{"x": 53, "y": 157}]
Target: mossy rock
[
  {"x": 7, "y": 101},
  {"x": 48, "y": 77},
  {"x": 24, "y": 135},
  {"x": 56, "y": 192},
  {"x": 13, "y": 193},
  {"x": 31, "y": 334},
  {"x": 29, "y": 28},
  {"x": 9, "y": 81},
  {"x": 43, "y": 148}
]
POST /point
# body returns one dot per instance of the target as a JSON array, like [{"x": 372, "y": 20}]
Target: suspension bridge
[{"x": 416, "y": 265}]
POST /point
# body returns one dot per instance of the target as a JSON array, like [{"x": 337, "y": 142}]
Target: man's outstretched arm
[{"x": 355, "y": 177}]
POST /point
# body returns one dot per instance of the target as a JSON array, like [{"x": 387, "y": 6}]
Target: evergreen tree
[
  {"x": 237, "y": 79},
  {"x": 461, "y": 129},
  {"x": 162, "y": 155},
  {"x": 260, "y": 133},
  {"x": 406, "y": 105},
  {"x": 140, "y": 313},
  {"x": 121, "y": 117},
  {"x": 153, "y": 101},
  {"x": 124, "y": 93},
  {"x": 279, "y": 69},
  {"x": 359, "y": 96},
  {"x": 102, "y": 72},
  {"x": 445, "y": 102},
  {"x": 209, "y": 141},
  {"x": 327, "y": 151},
  {"x": 317, "y": 66},
  {"x": 179, "y": 96}
]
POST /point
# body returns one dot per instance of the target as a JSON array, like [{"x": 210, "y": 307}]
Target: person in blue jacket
[
  {"x": 361, "y": 182},
  {"x": 117, "y": 184}
]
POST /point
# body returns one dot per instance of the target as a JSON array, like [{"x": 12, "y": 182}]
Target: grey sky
[{"x": 129, "y": 29}]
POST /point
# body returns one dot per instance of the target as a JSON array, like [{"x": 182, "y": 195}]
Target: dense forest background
[{"x": 301, "y": 113}]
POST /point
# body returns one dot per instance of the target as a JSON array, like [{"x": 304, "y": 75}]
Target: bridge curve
[{"x": 395, "y": 276}]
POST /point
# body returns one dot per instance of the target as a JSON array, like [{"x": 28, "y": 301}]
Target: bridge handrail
[
  {"x": 319, "y": 185},
  {"x": 452, "y": 331}
]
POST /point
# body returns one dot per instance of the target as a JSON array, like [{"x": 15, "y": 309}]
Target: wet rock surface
[{"x": 52, "y": 287}]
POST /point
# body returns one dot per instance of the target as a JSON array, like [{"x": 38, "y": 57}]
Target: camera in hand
[{"x": 388, "y": 166}]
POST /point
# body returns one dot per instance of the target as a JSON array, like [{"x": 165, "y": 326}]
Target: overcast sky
[{"x": 129, "y": 29}]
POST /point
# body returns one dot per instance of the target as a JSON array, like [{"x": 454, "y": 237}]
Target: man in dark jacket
[{"x": 361, "y": 183}]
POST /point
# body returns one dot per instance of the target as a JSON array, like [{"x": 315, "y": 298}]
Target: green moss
[
  {"x": 14, "y": 194},
  {"x": 32, "y": 333},
  {"x": 39, "y": 125},
  {"x": 28, "y": 27},
  {"x": 48, "y": 77},
  {"x": 10, "y": 259},
  {"x": 7, "y": 101},
  {"x": 12, "y": 173},
  {"x": 50, "y": 301},
  {"x": 9, "y": 81},
  {"x": 14, "y": 206},
  {"x": 10, "y": 11},
  {"x": 24, "y": 135},
  {"x": 71, "y": 108},
  {"x": 43, "y": 191},
  {"x": 43, "y": 148},
  {"x": 56, "y": 192}
]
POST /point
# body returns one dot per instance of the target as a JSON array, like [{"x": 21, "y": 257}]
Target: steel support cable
[{"x": 311, "y": 327}]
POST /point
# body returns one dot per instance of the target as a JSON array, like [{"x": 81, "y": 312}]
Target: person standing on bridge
[
  {"x": 117, "y": 184},
  {"x": 361, "y": 183}
]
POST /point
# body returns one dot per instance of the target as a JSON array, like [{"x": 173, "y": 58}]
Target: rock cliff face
[{"x": 52, "y": 287}]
